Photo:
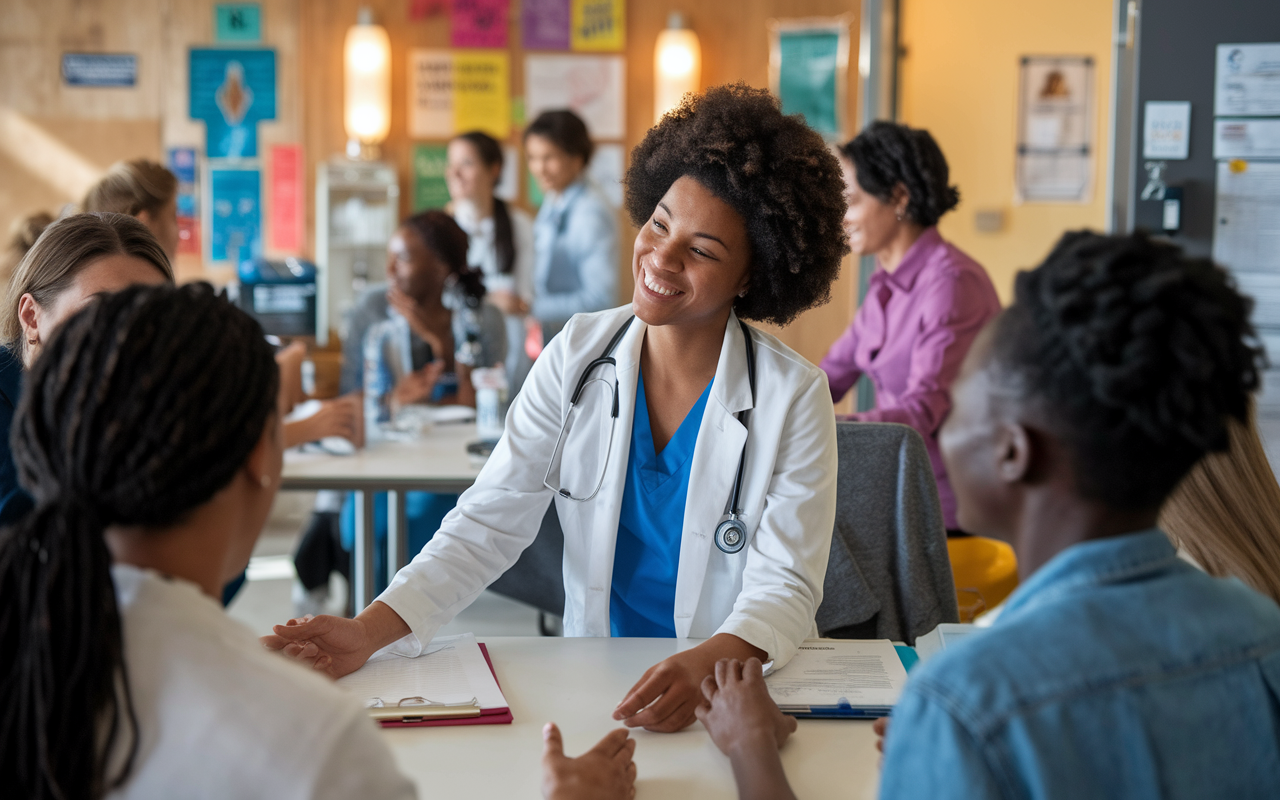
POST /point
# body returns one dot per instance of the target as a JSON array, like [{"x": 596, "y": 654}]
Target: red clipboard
[{"x": 488, "y": 716}]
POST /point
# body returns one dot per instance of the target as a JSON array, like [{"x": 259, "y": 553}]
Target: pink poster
[
  {"x": 284, "y": 199},
  {"x": 480, "y": 23},
  {"x": 546, "y": 24}
]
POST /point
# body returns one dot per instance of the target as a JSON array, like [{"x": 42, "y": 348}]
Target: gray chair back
[
  {"x": 537, "y": 578},
  {"x": 889, "y": 576}
]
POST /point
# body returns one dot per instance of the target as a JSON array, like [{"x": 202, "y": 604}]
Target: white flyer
[
  {"x": 860, "y": 673},
  {"x": 592, "y": 86},
  {"x": 1247, "y": 80},
  {"x": 1246, "y": 138},
  {"x": 1166, "y": 130}
]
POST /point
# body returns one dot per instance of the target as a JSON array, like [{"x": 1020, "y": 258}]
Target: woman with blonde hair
[
  {"x": 1226, "y": 513},
  {"x": 73, "y": 260},
  {"x": 22, "y": 234},
  {"x": 142, "y": 189}
]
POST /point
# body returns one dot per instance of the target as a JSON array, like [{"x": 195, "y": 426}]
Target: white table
[
  {"x": 438, "y": 462},
  {"x": 576, "y": 683}
]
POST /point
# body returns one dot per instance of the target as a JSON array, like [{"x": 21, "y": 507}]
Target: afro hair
[{"x": 774, "y": 170}]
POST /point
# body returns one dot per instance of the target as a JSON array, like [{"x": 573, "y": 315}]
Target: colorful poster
[
  {"x": 545, "y": 24},
  {"x": 452, "y": 92},
  {"x": 237, "y": 22},
  {"x": 182, "y": 163},
  {"x": 598, "y": 25},
  {"x": 429, "y": 189},
  {"x": 235, "y": 215},
  {"x": 480, "y": 23},
  {"x": 284, "y": 198},
  {"x": 807, "y": 66},
  {"x": 232, "y": 90},
  {"x": 1055, "y": 154},
  {"x": 593, "y": 86}
]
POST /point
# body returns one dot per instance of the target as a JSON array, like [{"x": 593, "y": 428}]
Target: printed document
[
  {"x": 833, "y": 672},
  {"x": 453, "y": 670}
]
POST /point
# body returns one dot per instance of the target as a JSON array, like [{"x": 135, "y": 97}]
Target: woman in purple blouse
[{"x": 926, "y": 301}]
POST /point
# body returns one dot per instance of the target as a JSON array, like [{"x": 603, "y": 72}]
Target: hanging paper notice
[
  {"x": 1055, "y": 154},
  {"x": 285, "y": 198},
  {"x": 545, "y": 24},
  {"x": 1166, "y": 130},
  {"x": 1247, "y": 80},
  {"x": 235, "y": 211},
  {"x": 508, "y": 187},
  {"x": 592, "y": 86},
  {"x": 598, "y": 24},
  {"x": 232, "y": 90},
  {"x": 480, "y": 23},
  {"x": 808, "y": 62},
  {"x": 429, "y": 189},
  {"x": 606, "y": 170},
  {"x": 452, "y": 92}
]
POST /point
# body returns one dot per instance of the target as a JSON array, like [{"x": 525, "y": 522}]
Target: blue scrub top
[{"x": 647, "y": 556}]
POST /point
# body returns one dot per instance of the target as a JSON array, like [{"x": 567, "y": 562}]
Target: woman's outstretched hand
[
  {"x": 747, "y": 726},
  {"x": 605, "y": 772},
  {"x": 337, "y": 646}
]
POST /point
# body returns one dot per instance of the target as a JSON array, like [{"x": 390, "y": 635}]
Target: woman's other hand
[
  {"x": 604, "y": 772},
  {"x": 338, "y": 417},
  {"x": 508, "y": 303},
  {"x": 740, "y": 715},
  {"x": 335, "y": 646},
  {"x": 417, "y": 386}
]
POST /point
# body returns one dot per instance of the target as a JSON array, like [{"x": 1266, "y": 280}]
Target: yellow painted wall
[{"x": 959, "y": 79}]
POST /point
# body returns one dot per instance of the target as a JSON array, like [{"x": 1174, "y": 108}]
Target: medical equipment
[{"x": 731, "y": 534}]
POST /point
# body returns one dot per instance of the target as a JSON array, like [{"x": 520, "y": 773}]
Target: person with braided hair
[
  {"x": 926, "y": 300},
  {"x": 1116, "y": 670},
  {"x": 72, "y": 260},
  {"x": 150, "y": 437}
]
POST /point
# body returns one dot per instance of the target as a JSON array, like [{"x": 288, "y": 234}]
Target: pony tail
[
  {"x": 504, "y": 240},
  {"x": 64, "y": 690}
]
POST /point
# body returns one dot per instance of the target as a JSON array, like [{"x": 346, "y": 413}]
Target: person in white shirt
[
  {"x": 150, "y": 439},
  {"x": 501, "y": 239}
]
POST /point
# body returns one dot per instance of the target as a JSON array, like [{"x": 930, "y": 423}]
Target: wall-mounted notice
[
  {"x": 598, "y": 25},
  {"x": 590, "y": 85},
  {"x": 429, "y": 189},
  {"x": 606, "y": 170},
  {"x": 808, "y": 62},
  {"x": 1247, "y": 80},
  {"x": 452, "y": 92},
  {"x": 1246, "y": 236},
  {"x": 232, "y": 90},
  {"x": 100, "y": 69},
  {"x": 235, "y": 215},
  {"x": 237, "y": 22},
  {"x": 1246, "y": 138},
  {"x": 545, "y": 24},
  {"x": 285, "y": 192},
  {"x": 182, "y": 163},
  {"x": 480, "y": 23},
  {"x": 1055, "y": 156},
  {"x": 1166, "y": 130}
]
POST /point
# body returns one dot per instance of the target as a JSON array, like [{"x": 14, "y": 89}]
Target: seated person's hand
[
  {"x": 338, "y": 417},
  {"x": 740, "y": 715},
  {"x": 289, "y": 361},
  {"x": 604, "y": 772},
  {"x": 665, "y": 697},
  {"x": 507, "y": 302},
  {"x": 881, "y": 727},
  {"x": 335, "y": 646},
  {"x": 417, "y": 386}
]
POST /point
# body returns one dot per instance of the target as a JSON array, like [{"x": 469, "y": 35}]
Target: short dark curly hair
[
  {"x": 1138, "y": 355},
  {"x": 565, "y": 130},
  {"x": 887, "y": 154},
  {"x": 774, "y": 170}
]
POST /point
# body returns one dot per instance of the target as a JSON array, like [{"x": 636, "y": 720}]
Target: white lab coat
[{"x": 766, "y": 594}]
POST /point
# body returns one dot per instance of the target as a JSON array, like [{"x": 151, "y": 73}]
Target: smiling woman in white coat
[{"x": 690, "y": 456}]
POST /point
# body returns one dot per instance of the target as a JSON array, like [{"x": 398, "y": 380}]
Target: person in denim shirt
[{"x": 1115, "y": 670}]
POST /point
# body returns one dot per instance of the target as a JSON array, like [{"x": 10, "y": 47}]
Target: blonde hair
[
  {"x": 22, "y": 234},
  {"x": 62, "y": 251},
  {"x": 131, "y": 187},
  {"x": 1226, "y": 513}
]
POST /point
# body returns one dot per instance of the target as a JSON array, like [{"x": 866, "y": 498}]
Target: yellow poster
[
  {"x": 482, "y": 96},
  {"x": 599, "y": 25}
]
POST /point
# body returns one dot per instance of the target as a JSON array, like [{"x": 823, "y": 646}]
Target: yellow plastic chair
[{"x": 985, "y": 572}]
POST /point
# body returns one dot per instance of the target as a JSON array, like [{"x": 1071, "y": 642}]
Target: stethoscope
[{"x": 731, "y": 534}]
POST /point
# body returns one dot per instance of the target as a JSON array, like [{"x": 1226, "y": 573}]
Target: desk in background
[
  {"x": 438, "y": 462},
  {"x": 576, "y": 683}
]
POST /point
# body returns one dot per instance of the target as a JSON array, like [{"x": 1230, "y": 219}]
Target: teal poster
[
  {"x": 235, "y": 229},
  {"x": 237, "y": 22},
  {"x": 808, "y": 77},
  {"x": 232, "y": 90}
]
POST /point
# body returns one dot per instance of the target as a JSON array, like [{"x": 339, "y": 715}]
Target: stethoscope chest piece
[{"x": 731, "y": 536}]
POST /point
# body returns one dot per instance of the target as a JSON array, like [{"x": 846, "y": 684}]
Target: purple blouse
[{"x": 910, "y": 335}]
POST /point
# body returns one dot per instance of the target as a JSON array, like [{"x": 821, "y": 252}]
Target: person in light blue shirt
[
  {"x": 575, "y": 235},
  {"x": 1116, "y": 670}
]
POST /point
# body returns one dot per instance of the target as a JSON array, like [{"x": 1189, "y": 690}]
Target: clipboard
[{"x": 425, "y": 717}]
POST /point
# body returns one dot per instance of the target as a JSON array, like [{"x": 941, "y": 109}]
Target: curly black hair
[
  {"x": 887, "y": 154},
  {"x": 1138, "y": 354},
  {"x": 774, "y": 170}
]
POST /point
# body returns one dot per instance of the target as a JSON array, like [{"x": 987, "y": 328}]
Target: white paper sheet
[
  {"x": 1247, "y": 80},
  {"x": 452, "y": 671},
  {"x": 590, "y": 85},
  {"x": 830, "y": 672},
  {"x": 1166, "y": 130},
  {"x": 1246, "y": 138}
]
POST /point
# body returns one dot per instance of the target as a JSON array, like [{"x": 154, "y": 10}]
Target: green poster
[
  {"x": 807, "y": 72},
  {"x": 535, "y": 191},
  {"x": 429, "y": 189},
  {"x": 237, "y": 22}
]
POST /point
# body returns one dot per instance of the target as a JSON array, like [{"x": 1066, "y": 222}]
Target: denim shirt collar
[{"x": 1115, "y": 559}]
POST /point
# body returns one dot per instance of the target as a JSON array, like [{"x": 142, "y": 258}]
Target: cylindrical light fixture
[
  {"x": 366, "y": 57},
  {"x": 677, "y": 65}
]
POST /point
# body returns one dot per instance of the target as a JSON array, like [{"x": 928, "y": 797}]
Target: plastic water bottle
[
  {"x": 382, "y": 370},
  {"x": 491, "y": 401}
]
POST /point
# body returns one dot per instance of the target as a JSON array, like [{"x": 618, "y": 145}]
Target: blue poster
[
  {"x": 235, "y": 230},
  {"x": 231, "y": 90}
]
